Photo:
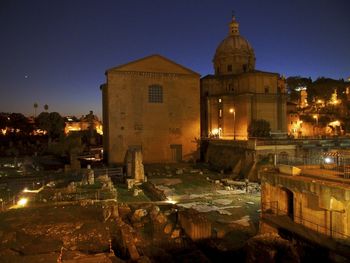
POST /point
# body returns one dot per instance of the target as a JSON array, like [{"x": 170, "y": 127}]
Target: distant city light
[
  {"x": 215, "y": 131},
  {"x": 334, "y": 123},
  {"x": 328, "y": 160},
  {"x": 22, "y": 201}
]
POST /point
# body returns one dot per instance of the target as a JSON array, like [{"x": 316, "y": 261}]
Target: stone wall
[
  {"x": 195, "y": 225},
  {"x": 318, "y": 205}
]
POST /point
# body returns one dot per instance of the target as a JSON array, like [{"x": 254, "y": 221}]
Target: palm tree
[
  {"x": 46, "y": 107},
  {"x": 35, "y": 107}
]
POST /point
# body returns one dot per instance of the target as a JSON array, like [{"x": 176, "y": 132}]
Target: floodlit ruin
[{"x": 308, "y": 202}]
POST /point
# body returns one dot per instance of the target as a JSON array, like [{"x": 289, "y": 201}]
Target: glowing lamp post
[
  {"x": 232, "y": 111},
  {"x": 316, "y": 118}
]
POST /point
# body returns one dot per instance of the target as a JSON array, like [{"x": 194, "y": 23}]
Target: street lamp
[
  {"x": 316, "y": 118},
  {"x": 233, "y": 111}
]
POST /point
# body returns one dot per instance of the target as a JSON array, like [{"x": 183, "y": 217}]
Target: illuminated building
[
  {"x": 237, "y": 93},
  {"x": 73, "y": 124},
  {"x": 151, "y": 104}
]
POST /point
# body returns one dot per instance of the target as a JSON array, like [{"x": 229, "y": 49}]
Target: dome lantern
[
  {"x": 234, "y": 55},
  {"x": 234, "y": 27}
]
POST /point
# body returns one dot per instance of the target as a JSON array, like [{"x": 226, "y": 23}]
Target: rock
[
  {"x": 220, "y": 233},
  {"x": 123, "y": 210},
  {"x": 144, "y": 259},
  {"x": 270, "y": 248},
  {"x": 130, "y": 183},
  {"x": 138, "y": 214},
  {"x": 154, "y": 211},
  {"x": 161, "y": 219},
  {"x": 137, "y": 192},
  {"x": 249, "y": 203},
  {"x": 201, "y": 173},
  {"x": 168, "y": 228},
  {"x": 179, "y": 171},
  {"x": 175, "y": 233},
  {"x": 217, "y": 181},
  {"x": 9, "y": 237}
]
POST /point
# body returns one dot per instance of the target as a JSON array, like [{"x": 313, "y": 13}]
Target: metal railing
[
  {"x": 338, "y": 164},
  {"x": 271, "y": 209}
]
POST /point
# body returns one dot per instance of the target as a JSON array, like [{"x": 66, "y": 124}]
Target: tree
[
  {"x": 20, "y": 123},
  {"x": 52, "y": 122},
  {"x": 35, "y": 107},
  {"x": 322, "y": 88},
  {"x": 46, "y": 107},
  {"x": 3, "y": 120},
  {"x": 43, "y": 121},
  {"x": 294, "y": 84},
  {"x": 57, "y": 125},
  {"x": 259, "y": 128}
]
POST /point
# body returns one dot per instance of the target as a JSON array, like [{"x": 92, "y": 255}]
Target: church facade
[
  {"x": 151, "y": 104},
  {"x": 163, "y": 108},
  {"x": 237, "y": 93}
]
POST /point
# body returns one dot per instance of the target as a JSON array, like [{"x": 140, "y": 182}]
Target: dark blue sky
[{"x": 57, "y": 51}]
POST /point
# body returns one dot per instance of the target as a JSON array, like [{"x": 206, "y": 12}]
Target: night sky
[{"x": 56, "y": 52}]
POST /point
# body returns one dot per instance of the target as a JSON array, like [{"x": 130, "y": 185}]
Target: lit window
[
  {"x": 220, "y": 100},
  {"x": 155, "y": 94}
]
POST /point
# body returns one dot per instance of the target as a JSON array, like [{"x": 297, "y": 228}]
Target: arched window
[{"x": 155, "y": 94}]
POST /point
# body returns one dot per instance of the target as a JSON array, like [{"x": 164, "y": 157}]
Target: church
[
  {"x": 237, "y": 93},
  {"x": 151, "y": 104},
  {"x": 162, "y": 108}
]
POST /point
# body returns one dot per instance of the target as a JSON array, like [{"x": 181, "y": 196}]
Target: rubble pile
[{"x": 270, "y": 248}]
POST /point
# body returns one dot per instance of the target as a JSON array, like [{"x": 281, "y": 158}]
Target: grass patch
[{"x": 126, "y": 196}]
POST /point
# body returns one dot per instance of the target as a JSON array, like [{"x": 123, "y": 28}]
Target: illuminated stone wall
[
  {"x": 130, "y": 120},
  {"x": 318, "y": 205}
]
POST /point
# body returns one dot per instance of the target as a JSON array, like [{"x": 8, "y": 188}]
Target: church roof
[
  {"x": 154, "y": 63},
  {"x": 211, "y": 76}
]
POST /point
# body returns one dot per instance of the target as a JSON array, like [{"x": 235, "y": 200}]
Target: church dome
[{"x": 234, "y": 54}]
